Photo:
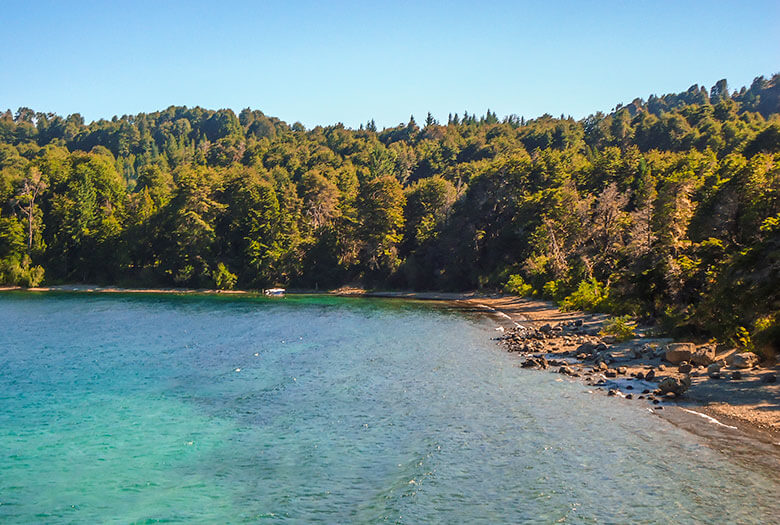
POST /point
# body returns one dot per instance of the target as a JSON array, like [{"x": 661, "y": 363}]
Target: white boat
[{"x": 274, "y": 292}]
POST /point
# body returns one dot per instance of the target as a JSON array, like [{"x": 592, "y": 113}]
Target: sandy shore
[{"x": 748, "y": 403}]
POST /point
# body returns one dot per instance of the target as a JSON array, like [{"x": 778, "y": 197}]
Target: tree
[
  {"x": 33, "y": 185},
  {"x": 380, "y": 209},
  {"x": 428, "y": 203}
]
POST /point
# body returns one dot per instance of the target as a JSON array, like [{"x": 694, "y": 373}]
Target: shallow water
[{"x": 145, "y": 408}]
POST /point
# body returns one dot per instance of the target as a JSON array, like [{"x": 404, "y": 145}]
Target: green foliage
[
  {"x": 667, "y": 208},
  {"x": 590, "y": 295},
  {"x": 766, "y": 335},
  {"x": 553, "y": 289},
  {"x": 223, "y": 279},
  {"x": 621, "y": 328},
  {"x": 517, "y": 286},
  {"x": 17, "y": 272},
  {"x": 741, "y": 339}
]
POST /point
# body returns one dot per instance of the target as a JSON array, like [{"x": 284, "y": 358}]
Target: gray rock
[
  {"x": 545, "y": 328},
  {"x": 569, "y": 371},
  {"x": 534, "y": 362},
  {"x": 586, "y": 348},
  {"x": 679, "y": 352},
  {"x": 685, "y": 368},
  {"x": 769, "y": 378},
  {"x": 703, "y": 356},
  {"x": 742, "y": 360},
  {"x": 677, "y": 386},
  {"x": 714, "y": 370},
  {"x": 650, "y": 375}
]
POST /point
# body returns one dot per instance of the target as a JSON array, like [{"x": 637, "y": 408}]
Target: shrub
[
  {"x": 14, "y": 272},
  {"x": 553, "y": 289},
  {"x": 622, "y": 328},
  {"x": 589, "y": 295},
  {"x": 516, "y": 285},
  {"x": 223, "y": 279},
  {"x": 766, "y": 335}
]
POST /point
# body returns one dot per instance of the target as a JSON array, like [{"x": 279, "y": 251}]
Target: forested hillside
[{"x": 667, "y": 208}]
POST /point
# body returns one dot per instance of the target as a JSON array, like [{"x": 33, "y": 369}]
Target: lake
[{"x": 222, "y": 409}]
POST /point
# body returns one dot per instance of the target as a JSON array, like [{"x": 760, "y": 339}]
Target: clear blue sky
[{"x": 327, "y": 62}]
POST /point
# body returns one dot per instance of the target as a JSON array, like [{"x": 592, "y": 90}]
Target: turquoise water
[{"x": 127, "y": 408}]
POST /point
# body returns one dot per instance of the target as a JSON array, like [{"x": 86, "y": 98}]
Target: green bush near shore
[
  {"x": 621, "y": 328},
  {"x": 590, "y": 296},
  {"x": 223, "y": 279},
  {"x": 517, "y": 286}
]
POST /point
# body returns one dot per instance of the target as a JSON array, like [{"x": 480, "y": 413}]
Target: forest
[{"x": 666, "y": 209}]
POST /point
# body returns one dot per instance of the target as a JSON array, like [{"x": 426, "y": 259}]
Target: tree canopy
[{"x": 668, "y": 208}]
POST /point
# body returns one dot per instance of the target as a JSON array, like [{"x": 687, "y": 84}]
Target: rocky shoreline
[{"x": 658, "y": 371}]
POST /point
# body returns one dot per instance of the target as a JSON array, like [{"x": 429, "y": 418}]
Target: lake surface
[{"x": 212, "y": 409}]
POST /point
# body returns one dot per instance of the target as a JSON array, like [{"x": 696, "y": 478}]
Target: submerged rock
[{"x": 769, "y": 378}]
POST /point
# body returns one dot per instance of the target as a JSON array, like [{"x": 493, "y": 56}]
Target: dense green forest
[{"x": 668, "y": 208}]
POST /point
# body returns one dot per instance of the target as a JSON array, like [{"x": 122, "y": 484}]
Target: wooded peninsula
[{"x": 665, "y": 209}]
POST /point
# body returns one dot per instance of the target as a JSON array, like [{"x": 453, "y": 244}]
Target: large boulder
[
  {"x": 678, "y": 352},
  {"x": 672, "y": 384},
  {"x": 742, "y": 360},
  {"x": 703, "y": 356}
]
